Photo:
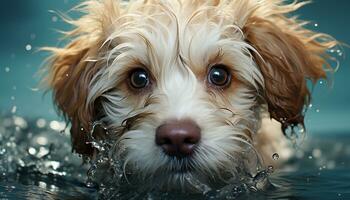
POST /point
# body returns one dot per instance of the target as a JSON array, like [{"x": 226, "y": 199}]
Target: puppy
[{"x": 188, "y": 88}]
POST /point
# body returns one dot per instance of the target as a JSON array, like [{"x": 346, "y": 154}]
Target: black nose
[{"x": 178, "y": 137}]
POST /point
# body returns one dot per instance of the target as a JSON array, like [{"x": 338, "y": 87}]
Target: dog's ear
[
  {"x": 288, "y": 55},
  {"x": 69, "y": 78},
  {"x": 73, "y": 67}
]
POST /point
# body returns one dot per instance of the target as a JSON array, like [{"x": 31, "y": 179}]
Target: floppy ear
[
  {"x": 73, "y": 67},
  {"x": 288, "y": 55},
  {"x": 69, "y": 78}
]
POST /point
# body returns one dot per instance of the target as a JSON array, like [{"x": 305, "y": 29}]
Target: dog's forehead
[{"x": 162, "y": 37}]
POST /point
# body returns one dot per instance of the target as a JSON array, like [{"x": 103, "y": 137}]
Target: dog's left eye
[
  {"x": 219, "y": 75},
  {"x": 139, "y": 78}
]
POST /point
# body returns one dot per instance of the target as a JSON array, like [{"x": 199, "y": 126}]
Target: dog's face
[{"x": 182, "y": 84}]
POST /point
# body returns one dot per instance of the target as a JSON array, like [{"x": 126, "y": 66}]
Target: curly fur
[{"x": 269, "y": 54}]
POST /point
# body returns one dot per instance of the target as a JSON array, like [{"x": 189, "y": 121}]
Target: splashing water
[
  {"x": 37, "y": 155},
  {"x": 275, "y": 156},
  {"x": 118, "y": 182},
  {"x": 36, "y": 161},
  {"x": 296, "y": 134}
]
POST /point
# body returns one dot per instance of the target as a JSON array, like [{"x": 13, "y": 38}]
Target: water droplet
[
  {"x": 20, "y": 122},
  {"x": 253, "y": 188},
  {"x": 275, "y": 156},
  {"x": 52, "y": 164},
  {"x": 53, "y": 188},
  {"x": 317, "y": 110},
  {"x": 42, "y": 184},
  {"x": 321, "y": 82},
  {"x": 41, "y": 123},
  {"x": 261, "y": 180},
  {"x": 28, "y": 47},
  {"x": 43, "y": 152},
  {"x": 54, "y": 18},
  {"x": 89, "y": 183},
  {"x": 270, "y": 169},
  {"x": 7, "y": 69},
  {"x": 42, "y": 140},
  {"x": 2, "y": 151},
  {"x": 316, "y": 25},
  {"x": 300, "y": 129},
  {"x": 339, "y": 52},
  {"x": 14, "y": 109},
  {"x": 32, "y": 151},
  {"x": 316, "y": 153},
  {"x": 310, "y": 157},
  {"x": 310, "y": 105},
  {"x": 57, "y": 126},
  {"x": 13, "y": 98}
]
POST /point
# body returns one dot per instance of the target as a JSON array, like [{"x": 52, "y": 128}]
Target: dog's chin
[
  {"x": 188, "y": 181},
  {"x": 181, "y": 177},
  {"x": 156, "y": 170}
]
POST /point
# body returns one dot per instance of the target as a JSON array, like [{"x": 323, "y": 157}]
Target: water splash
[
  {"x": 35, "y": 149},
  {"x": 104, "y": 160},
  {"x": 119, "y": 182},
  {"x": 275, "y": 156},
  {"x": 26, "y": 156},
  {"x": 28, "y": 47},
  {"x": 296, "y": 134}
]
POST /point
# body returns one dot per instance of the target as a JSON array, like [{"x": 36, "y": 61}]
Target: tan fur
[
  {"x": 287, "y": 58},
  {"x": 70, "y": 77},
  {"x": 282, "y": 55},
  {"x": 73, "y": 66}
]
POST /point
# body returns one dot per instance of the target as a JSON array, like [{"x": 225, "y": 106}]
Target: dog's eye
[
  {"x": 139, "y": 78},
  {"x": 219, "y": 76}
]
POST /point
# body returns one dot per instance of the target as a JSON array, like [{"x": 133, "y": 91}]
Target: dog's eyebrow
[{"x": 217, "y": 57}]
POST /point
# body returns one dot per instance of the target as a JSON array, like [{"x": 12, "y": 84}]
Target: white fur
[{"x": 158, "y": 41}]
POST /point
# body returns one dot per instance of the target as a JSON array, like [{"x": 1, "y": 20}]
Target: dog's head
[{"x": 183, "y": 83}]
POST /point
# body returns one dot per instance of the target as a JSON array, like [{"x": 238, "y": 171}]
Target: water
[
  {"x": 36, "y": 160},
  {"x": 36, "y": 163}
]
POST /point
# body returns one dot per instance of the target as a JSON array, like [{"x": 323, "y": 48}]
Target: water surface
[{"x": 36, "y": 162}]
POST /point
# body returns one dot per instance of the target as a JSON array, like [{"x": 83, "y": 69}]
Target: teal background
[{"x": 30, "y": 22}]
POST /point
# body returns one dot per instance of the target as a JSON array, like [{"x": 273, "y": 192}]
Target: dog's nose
[{"x": 178, "y": 137}]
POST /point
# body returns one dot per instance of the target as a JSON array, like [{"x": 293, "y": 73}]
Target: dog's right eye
[
  {"x": 219, "y": 76},
  {"x": 139, "y": 79}
]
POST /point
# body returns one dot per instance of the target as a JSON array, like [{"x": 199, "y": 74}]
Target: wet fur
[{"x": 270, "y": 55}]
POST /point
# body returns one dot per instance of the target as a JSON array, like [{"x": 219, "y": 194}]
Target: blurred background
[{"x": 27, "y": 25}]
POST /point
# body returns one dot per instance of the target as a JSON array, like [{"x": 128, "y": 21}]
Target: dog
[{"x": 189, "y": 88}]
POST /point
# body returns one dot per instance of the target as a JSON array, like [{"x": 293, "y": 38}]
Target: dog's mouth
[
  {"x": 183, "y": 169},
  {"x": 181, "y": 165}
]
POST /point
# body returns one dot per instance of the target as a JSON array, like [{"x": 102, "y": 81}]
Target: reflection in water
[{"x": 36, "y": 162}]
